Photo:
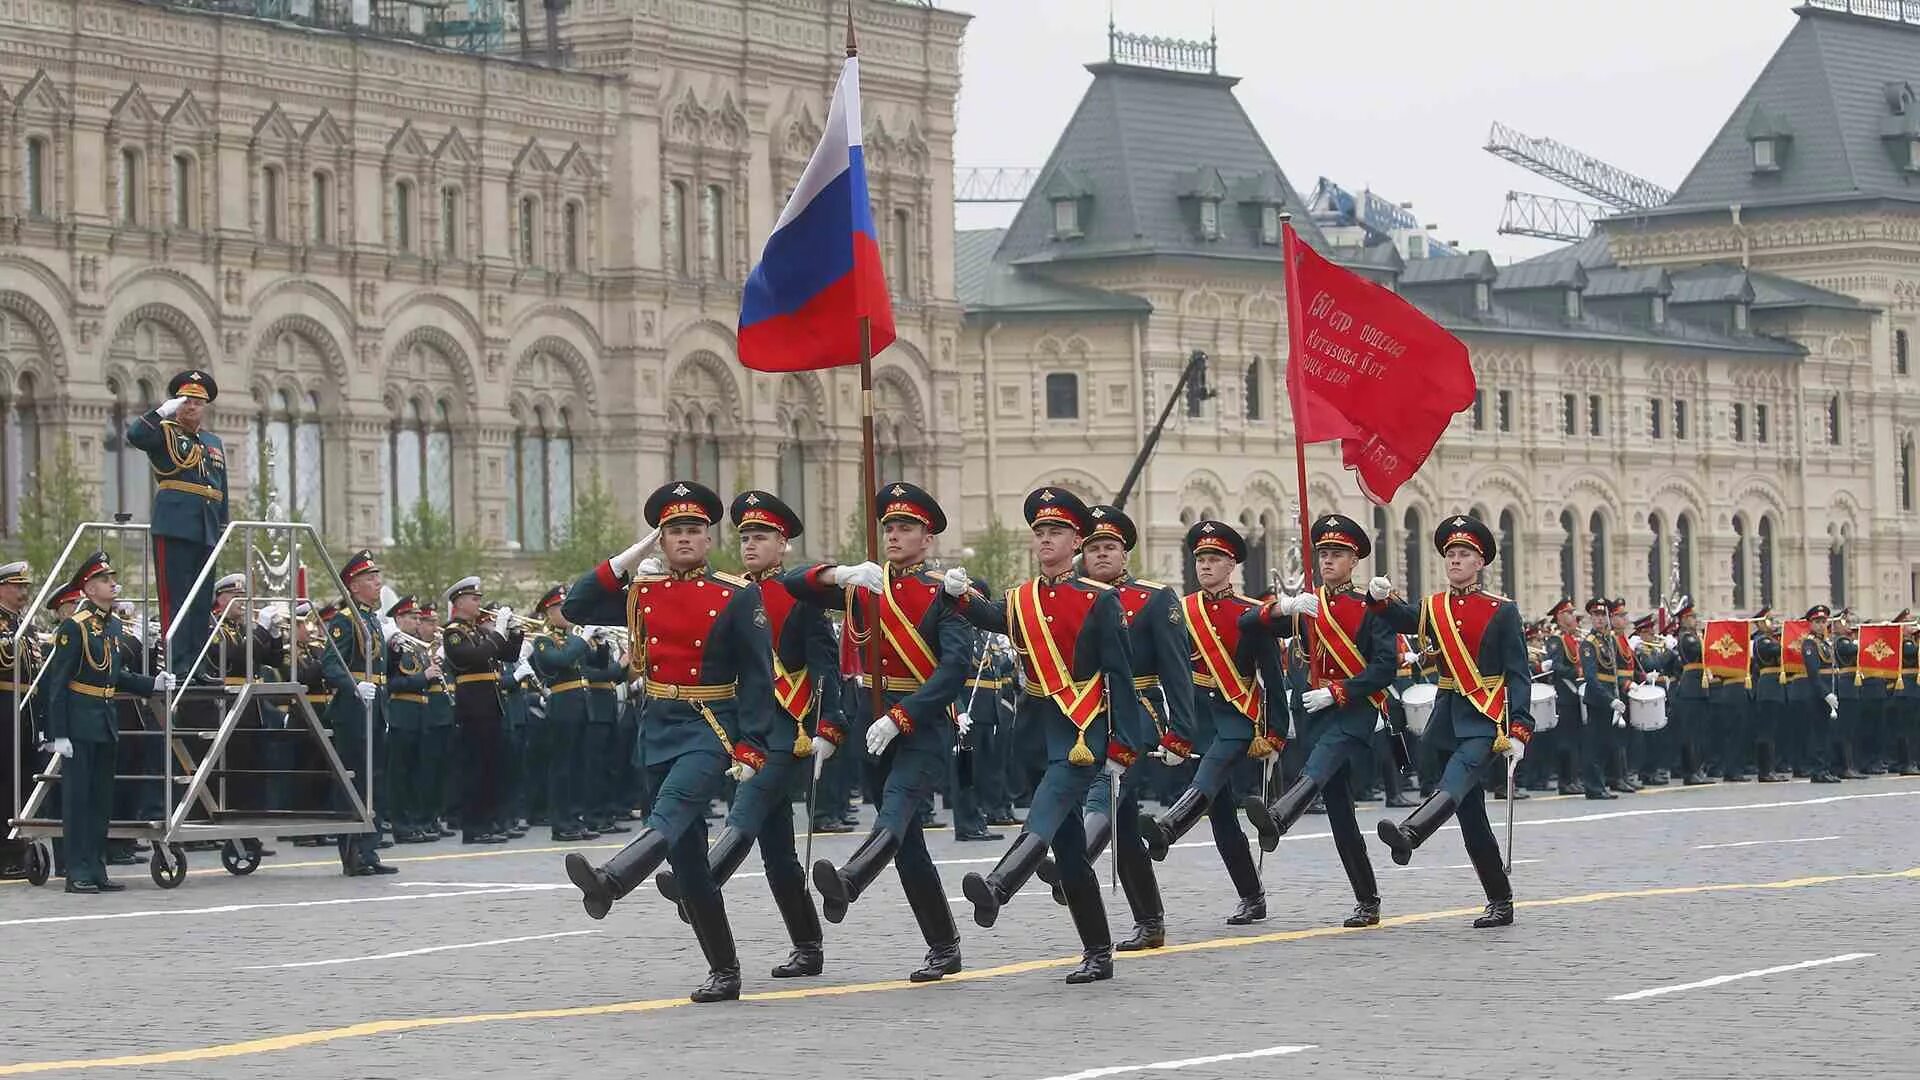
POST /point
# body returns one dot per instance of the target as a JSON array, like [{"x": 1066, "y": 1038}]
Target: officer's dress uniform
[
  {"x": 1905, "y": 708},
  {"x": 1869, "y": 741},
  {"x": 604, "y": 672},
  {"x": 1769, "y": 709},
  {"x": 355, "y": 653},
  {"x": 309, "y": 793},
  {"x": 1819, "y": 655},
  {"x": 406, "y": 710},
  {"x": 973, "y": 783},
  {"x": 700, "y": 639},
  {"x": 1654, "y": 661},
  {"x": 1687, "y": 709},
  {"x": 1563, "y": 660},
  {"x": 1485, "y": 682},
  {"x": 1627, "y": 739},
  {"x": 558, "y": 656},
  {"x": 1350, "y": 653},
  {"x": 924, "y": 645},
  {"x": 13, "y": 852},
  {"x": 1237, "y": 684},
  {"x": 440, "y": 748},
  {"x": 472, "y": 653},
  {"x": 84, "y": 672},
  {"x": 1599, "y": 677},
  {"x": 1072, "y": 637},
  {"x": 1730, "y": 710},
  {"x": 804, "y": 659},
  {"x": 189, "y": 510}
]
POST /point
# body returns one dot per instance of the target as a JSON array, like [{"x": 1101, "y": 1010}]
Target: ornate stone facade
[{"x": 431, "y": 275}]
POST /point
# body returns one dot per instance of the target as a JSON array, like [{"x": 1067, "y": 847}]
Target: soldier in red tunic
[
  {"x": 1481, "y": 712},
  {"x": 700, "y": 638},
  {"x": 924, "y": 648},
  {"x": 1071, "y": 633},
  {"x": 1351, "y": 661},
  {"x": 1236, "y": 676}
]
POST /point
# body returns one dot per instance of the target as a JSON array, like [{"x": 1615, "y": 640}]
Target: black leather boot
[
  {"x": 988, "y": 894},
  {"x": 803, "y": 929},
  {"x": 601, "y": 886},
  {"x": 715, "y": 934},
  {"x": 1099, "y": 829},
  {"x": 1252, "y": 909},
  {"x": 724, "y": 856},
  {"x": 1365, "y": 913},
  {"x": 1162, "y": 832},
  {"x": 1411, "y": 833},
  {"x": 935, "y": 916},
  {"x": 1143, "y": 897},
  {"x": 1096, "y": 941},
  {"x": 1498, "y": 913},
  {"x": 1272, "y": 820},
  {"x": 839, "y": 888}
]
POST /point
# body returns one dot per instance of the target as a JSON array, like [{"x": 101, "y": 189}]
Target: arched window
[
  {"x": 133, "y": 186},
  {"x": 890, "y": 459},
  {"x": 713, "y": 231},
  {"x": 308, "y": 499},
  {"x": 528, "y": 226},
  {"x": 1509, "y": 547},
  {"x": 403, "y": 210},
  {"x": 320, "y": 208},
  {"x": 706, "y": 463},
  {"x": 571, "y": 238},
  {"x": 1833, "y": 420},
  {"x": 1569, "y": 563},
  {"x": 1903, "y": 473},
  {"x": 36, "y": 178},
  {"x": 453, "y": 220},
  {"x": 1250, "y": 388},
  {"x": 1416, "y": 542},
  {"x": 902, "y": 250},
  {"x": 1597, "y": 551},
  {"x": 680, "y": 441},
  {"x": 1189, "y": 580},
  {"x": 1253, "y": 571},
  {"x": 679, "y": 252},
  {"x": 516, "y": 534},
  {"x": 560, "y": 477},
  {"x": 183, "y": 191},
  {"x": 1063, "y": 395},
  {"x": 1738, "y": 566},
  {"x": 273, "y": 198},
  {"x": 112, "y": 459},
  {"x": 406, "y": 440},
  {"x": 1837, "y": 570},
  {"x": 1657, "y": 559},
  {"x": 288, "y": 427},
  {"x": 437, "y": 464},
  {"x": 1683, "y": 551},
  {"x": 793, "y": 478},
  {"x": 530, "y": 469},
  {"x": 1380, "y": 552},
  {"x": 1765, "y": 559}
]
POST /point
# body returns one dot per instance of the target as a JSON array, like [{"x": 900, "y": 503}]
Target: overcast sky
[{"x": 1396, "y": 95}]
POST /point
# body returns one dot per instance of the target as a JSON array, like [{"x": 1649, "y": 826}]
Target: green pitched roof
[{"x": 981, "y": 284}]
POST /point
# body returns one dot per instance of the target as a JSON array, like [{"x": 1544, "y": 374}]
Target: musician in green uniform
[
  {"x": 83, "y": 674},
  {"x": 558, "y": 653},
  {"x": 410, "y": 670},
  {"x": 437, "y": 742},
  {"x": 605, "y": 669},
  {"x": 16, "y": 581},
  {"x": 356, "y": 667}
]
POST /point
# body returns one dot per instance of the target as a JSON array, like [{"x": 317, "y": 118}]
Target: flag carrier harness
[{"x": 197, "y": 797}]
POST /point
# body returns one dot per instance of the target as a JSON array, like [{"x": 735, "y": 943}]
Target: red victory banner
[
  {"x": 1792, "y": 632},
  {"x": 1728, "y": 646},
  {"x": 1368, "y": 369},
  {"x": 1879, "y": 652}
]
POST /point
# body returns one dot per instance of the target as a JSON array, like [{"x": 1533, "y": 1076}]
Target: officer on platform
[
  {"x": 1350, "y": 663},
  {"x": 355, "y": 665},
  {"x": 708, "y": 662},
  {"x": 84, "y": 672},
  {"x": 189, "y": 503},
  {"x": 473, "y": 648}
]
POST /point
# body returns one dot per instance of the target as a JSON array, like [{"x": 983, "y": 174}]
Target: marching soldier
[
  {"x": 1626, "y": 740},
  {"x": 16, "y": 579},
  {"x": 189, "y": 503},
  {"x": 473, "y": 649},
  {"x": 1163, "y": 681},
  {"x": 973, "y": 783},
  {"x": 1820, "y": 701},
  {"x": 604, "y": 670},
  {"x": 1605, "y": 705},
  {"x": 1769, "y": 703},
  {"x": 1350, "y": 663},
  {"x": 1727, "y": 734},
  {"x": 1071, "y": 633},
  {"x": 1481, "y": 712},
  {"x": 1652, "y": 749},
  {"x": 1906, "y": 701},
  {"x": 409, "y": 672},
  {"x": 1846, "y": 685},
  {"x": 356, "y": 667},
  {"x": 701, "y": 637},
  {"x": 1564, "y": 662},
  {"x": 438, "y": 741},
  {"x": 1235, "y": 658},
  {"x": 84, "y": 672},
  {"x": 1687, "y": 709},
  {"x": 558, "y": 653},
  {"x": 924, "y": 645},
  {"x": 803, "y": 648}
]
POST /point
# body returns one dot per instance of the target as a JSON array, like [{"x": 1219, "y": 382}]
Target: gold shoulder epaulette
[
  {"x": 1150, "y": 586},
  {"x": 734, "y": 580},
  {"x": 1095, "y": 584}
]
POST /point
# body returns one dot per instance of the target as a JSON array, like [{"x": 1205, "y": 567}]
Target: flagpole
[
  {"x": 876, "y": 701},
  {"x": 1289, "y": 240}
]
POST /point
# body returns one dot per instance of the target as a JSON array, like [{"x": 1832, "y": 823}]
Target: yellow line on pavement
[{"x": 299, "y": 1039}]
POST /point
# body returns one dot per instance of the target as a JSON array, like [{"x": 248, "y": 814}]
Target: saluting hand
[{"x": 170, "y": 406}]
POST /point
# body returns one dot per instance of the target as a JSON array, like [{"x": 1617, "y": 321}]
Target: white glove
[
  {"x": 164, "y": 682},
  {"x": 365, "y": 691},
  {"x": 822, "y": 750},
  {"x": 522, "y": 670},
  {"x": 1380, "y": 588},
  {"x": 1166, "y": 757},
  {"x": 62, "y": 747},
  {"x": 1619, "y": 707},
  {"x": 1515, "y": 751},
  {"x": 1380, "y": 722},
  {"x": 1305, "y": 603},
  {"x": 272, "y": 619},
  {"x": 1619, "y": 721},
  {"x": 388, "y": 629},
  {"x": 866, "y": 575},
  {"x": 1833, "y": 702},
  {"x": 1412, "y": 658},
  {"x": 171, "y": 406},
  {"x": 502, "y": 615},
  {"x": 1650, "y": 677},
  {"x": 956, "y": 581},
  {"x": 1112, "y": 771},
  {"x": 625, "y": 562},
  {"x": 651, "y": 566},
  {"x": 740, "y": 772},
  {"x": 963, "y": 722},
  {"x": 1273, "y": 753},
  {"x": 1317, "y": 699},
  {"x": 880, "y": 733}
]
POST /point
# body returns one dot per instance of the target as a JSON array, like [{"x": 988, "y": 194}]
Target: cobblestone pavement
[{"x": 227, "y": 978}]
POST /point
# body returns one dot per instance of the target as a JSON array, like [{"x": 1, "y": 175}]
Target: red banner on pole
[
  {"x": 1369, "y": 369},
  {"x": 1728, "y": 647},
  {"x": 1879, "y": 652}
]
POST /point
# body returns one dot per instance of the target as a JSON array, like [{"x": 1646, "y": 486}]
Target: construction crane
[
  {"x": 1548, "y": 218},
  {"x": 993, "y": 184},
  {"x": 1333, "y": 205},
  {"x": 1619, "y": 189}
]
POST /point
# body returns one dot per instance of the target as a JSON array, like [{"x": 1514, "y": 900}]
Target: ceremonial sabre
[
  {"x": 813, "y": 781},
  {"x": 1512, "y": 766}
]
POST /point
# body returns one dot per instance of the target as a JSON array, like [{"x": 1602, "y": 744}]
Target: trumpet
[{"x": 517, "y": 619}]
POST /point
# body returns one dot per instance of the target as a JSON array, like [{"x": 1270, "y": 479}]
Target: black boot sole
[
  {"x": 979, "y": 892},
  {"x": 1262, "y": 821},
  {"x": 832, "y": 889},
  {"x": 594, "y": 894},
  {"x": 1396, "y": 841}
]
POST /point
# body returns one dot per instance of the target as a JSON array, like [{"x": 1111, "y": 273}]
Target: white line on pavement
[
  {"x": 535, "y": 885},
  {"x": 1757, "y": 843},
  {"x": 1182, "y": 1063},
  {"x": 1453, "y": 866},
  {"x": 417, "y": 952},
  {"x": 1610, "y": 815},
  {"x": 1717, "y": 980},
  {"x": 227, "y": 909}
]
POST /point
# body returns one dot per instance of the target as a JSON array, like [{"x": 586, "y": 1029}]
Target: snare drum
[
  {"x": 1545, "y": 713},
  {"x": 1647, "y": 707},
  {"x": 1417, "y": 702}
]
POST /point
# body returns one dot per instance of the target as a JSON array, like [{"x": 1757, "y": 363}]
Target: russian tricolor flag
[{"x": 820, "y": 271}]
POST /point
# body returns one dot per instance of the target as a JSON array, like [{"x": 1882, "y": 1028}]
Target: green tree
[
  {"x": 999, "y": 556},
  {"x": 598, "y": 529},
  {"x": 853, "y": 542},
  {"x": 57, "y": 499},
  {"x": 428, "y": 554}
]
